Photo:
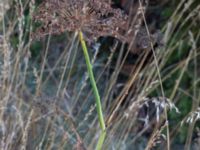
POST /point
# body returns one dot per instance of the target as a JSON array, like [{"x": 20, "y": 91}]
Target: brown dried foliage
[{"x": 94, "y": 18}]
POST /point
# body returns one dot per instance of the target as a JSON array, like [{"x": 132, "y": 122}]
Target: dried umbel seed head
[{"x": 93, "y": 17}]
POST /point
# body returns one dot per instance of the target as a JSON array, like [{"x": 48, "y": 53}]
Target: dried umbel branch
[
  {"x": 143, "y": 41},
  {"x": 93, "y": 17}
]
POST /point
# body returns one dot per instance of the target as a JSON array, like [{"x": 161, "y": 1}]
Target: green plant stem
[
  {"x": 101, "y": 140},
  {"x": 95, "y": 90}
]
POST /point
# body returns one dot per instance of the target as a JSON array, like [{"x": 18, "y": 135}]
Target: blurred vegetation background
[{"x": 47, "y": 102}]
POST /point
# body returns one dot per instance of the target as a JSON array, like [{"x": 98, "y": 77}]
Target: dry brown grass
[{"x": 46, "y": 99}]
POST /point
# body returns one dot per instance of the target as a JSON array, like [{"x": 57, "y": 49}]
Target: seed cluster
[{"x": 93, "y": 17}]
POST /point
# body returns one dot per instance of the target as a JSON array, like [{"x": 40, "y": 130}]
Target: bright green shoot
[{"x": 96, "y": 92}]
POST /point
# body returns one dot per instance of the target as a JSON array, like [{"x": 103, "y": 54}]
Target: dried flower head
[
  {"x": 158, "y": 103},
  {"x": 193, "y": 116},
  {"x": 93, "y": 17}
]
